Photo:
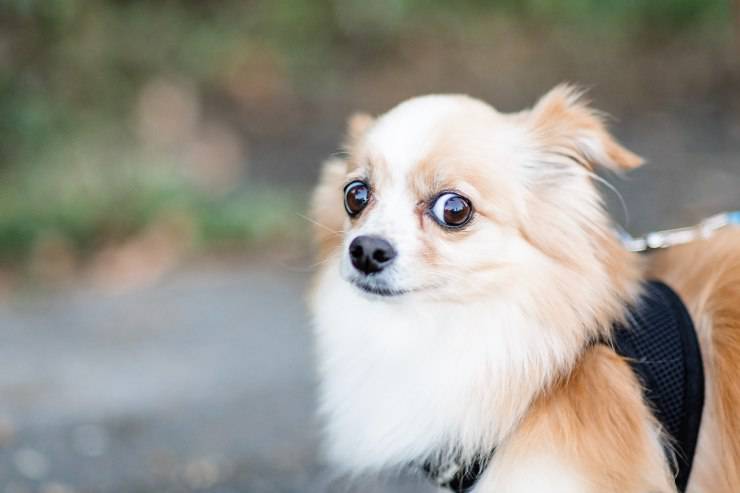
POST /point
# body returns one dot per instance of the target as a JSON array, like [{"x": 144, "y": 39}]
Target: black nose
[{"x": 371, "y": 254}]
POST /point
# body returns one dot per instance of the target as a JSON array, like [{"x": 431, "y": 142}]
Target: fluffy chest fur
[{"x": 405, "y": 382}]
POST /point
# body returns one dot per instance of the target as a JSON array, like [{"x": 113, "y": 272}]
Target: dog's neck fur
[{"x": 414, "y": 380}]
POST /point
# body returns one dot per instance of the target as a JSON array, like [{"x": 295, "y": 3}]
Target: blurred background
[{"x": 155, "y": 160}]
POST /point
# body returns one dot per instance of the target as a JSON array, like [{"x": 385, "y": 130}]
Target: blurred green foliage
[
  {"x": 73, "y": 66},
  {"x": 71, "y": 72}
]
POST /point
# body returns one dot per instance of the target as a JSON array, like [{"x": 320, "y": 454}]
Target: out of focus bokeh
[{"x": 155, "y": 162}]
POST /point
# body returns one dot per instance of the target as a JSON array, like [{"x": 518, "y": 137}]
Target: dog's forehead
[{"x": 408, "y": 133}]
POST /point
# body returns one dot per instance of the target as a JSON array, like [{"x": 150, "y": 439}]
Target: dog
[{"x": 469, "y": 286}]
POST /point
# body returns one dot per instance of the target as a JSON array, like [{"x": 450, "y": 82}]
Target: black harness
[{"x": 660, "y": 344}]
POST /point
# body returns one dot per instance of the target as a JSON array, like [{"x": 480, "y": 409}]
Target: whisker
[
  {"x": 313, "y": 221},
  {"x": 611, "y": 187},
  {"x": 305, "y": 269},
  {"x": 562, "y": 172}
]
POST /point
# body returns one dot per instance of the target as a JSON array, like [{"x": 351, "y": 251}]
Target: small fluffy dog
[{"x": 467, "y": 266}]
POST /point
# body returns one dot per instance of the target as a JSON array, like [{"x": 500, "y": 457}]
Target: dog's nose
[{"x": 371, "y": 254}]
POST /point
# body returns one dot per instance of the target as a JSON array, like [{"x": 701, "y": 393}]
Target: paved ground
[{"x": 203, "y": 381}]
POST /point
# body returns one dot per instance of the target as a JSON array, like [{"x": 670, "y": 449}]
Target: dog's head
[{"x": 445, "y": 198}]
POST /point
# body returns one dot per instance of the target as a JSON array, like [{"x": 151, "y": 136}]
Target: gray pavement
[
  {"x": 204, "y": 382},
  {"x": 200, "y": 383}
]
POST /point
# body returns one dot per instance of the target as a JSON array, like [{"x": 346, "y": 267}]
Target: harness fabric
[
  {"x": 461, "y": 479},
  {"x": 660, "y": 344}
]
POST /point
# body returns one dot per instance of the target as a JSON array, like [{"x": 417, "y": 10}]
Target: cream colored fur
[{"x": 489, "y": 343}]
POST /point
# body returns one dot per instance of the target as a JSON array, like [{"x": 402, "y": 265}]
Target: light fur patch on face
[{"x": 405, "y": 134}]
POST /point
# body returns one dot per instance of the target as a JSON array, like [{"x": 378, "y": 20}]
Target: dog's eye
[
  {"x": 356, "y": 197},
  {"x": 452, "y": 210}
]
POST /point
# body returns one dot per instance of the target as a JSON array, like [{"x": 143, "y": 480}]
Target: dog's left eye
[
  {"x": 452, "y": 210},
  {"x": 356, "y": 197}
]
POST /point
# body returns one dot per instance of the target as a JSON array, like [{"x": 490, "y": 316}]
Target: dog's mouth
[{"x": 383, "y": 291}]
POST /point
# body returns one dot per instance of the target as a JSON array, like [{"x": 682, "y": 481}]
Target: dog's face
[
  {"x": 445, "y": 198},
  {"x": 430, "y": 195}
]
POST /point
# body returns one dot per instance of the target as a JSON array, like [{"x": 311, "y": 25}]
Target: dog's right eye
[
  {"x": 356, "y": 197},
  {"x": 451, "y": 210}
]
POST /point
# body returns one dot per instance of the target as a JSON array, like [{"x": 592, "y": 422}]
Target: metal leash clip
[{"x": 679, "y": 236}]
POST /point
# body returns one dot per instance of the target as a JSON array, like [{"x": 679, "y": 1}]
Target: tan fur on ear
[
  {"x": 327, "y": 212},
  {"x": 357, "y": 126},
  {"x": 566, "y": 125}
]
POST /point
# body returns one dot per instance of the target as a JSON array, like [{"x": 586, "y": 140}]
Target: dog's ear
[
  {"x": 565, "y": 125},
  {"x": 357, "y": 126}
]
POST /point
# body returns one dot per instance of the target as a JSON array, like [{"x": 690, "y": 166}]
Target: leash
[{"x": 679, "y": 236}]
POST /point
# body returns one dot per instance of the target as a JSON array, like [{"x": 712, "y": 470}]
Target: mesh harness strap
[{"x": 660, "y": 344}]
